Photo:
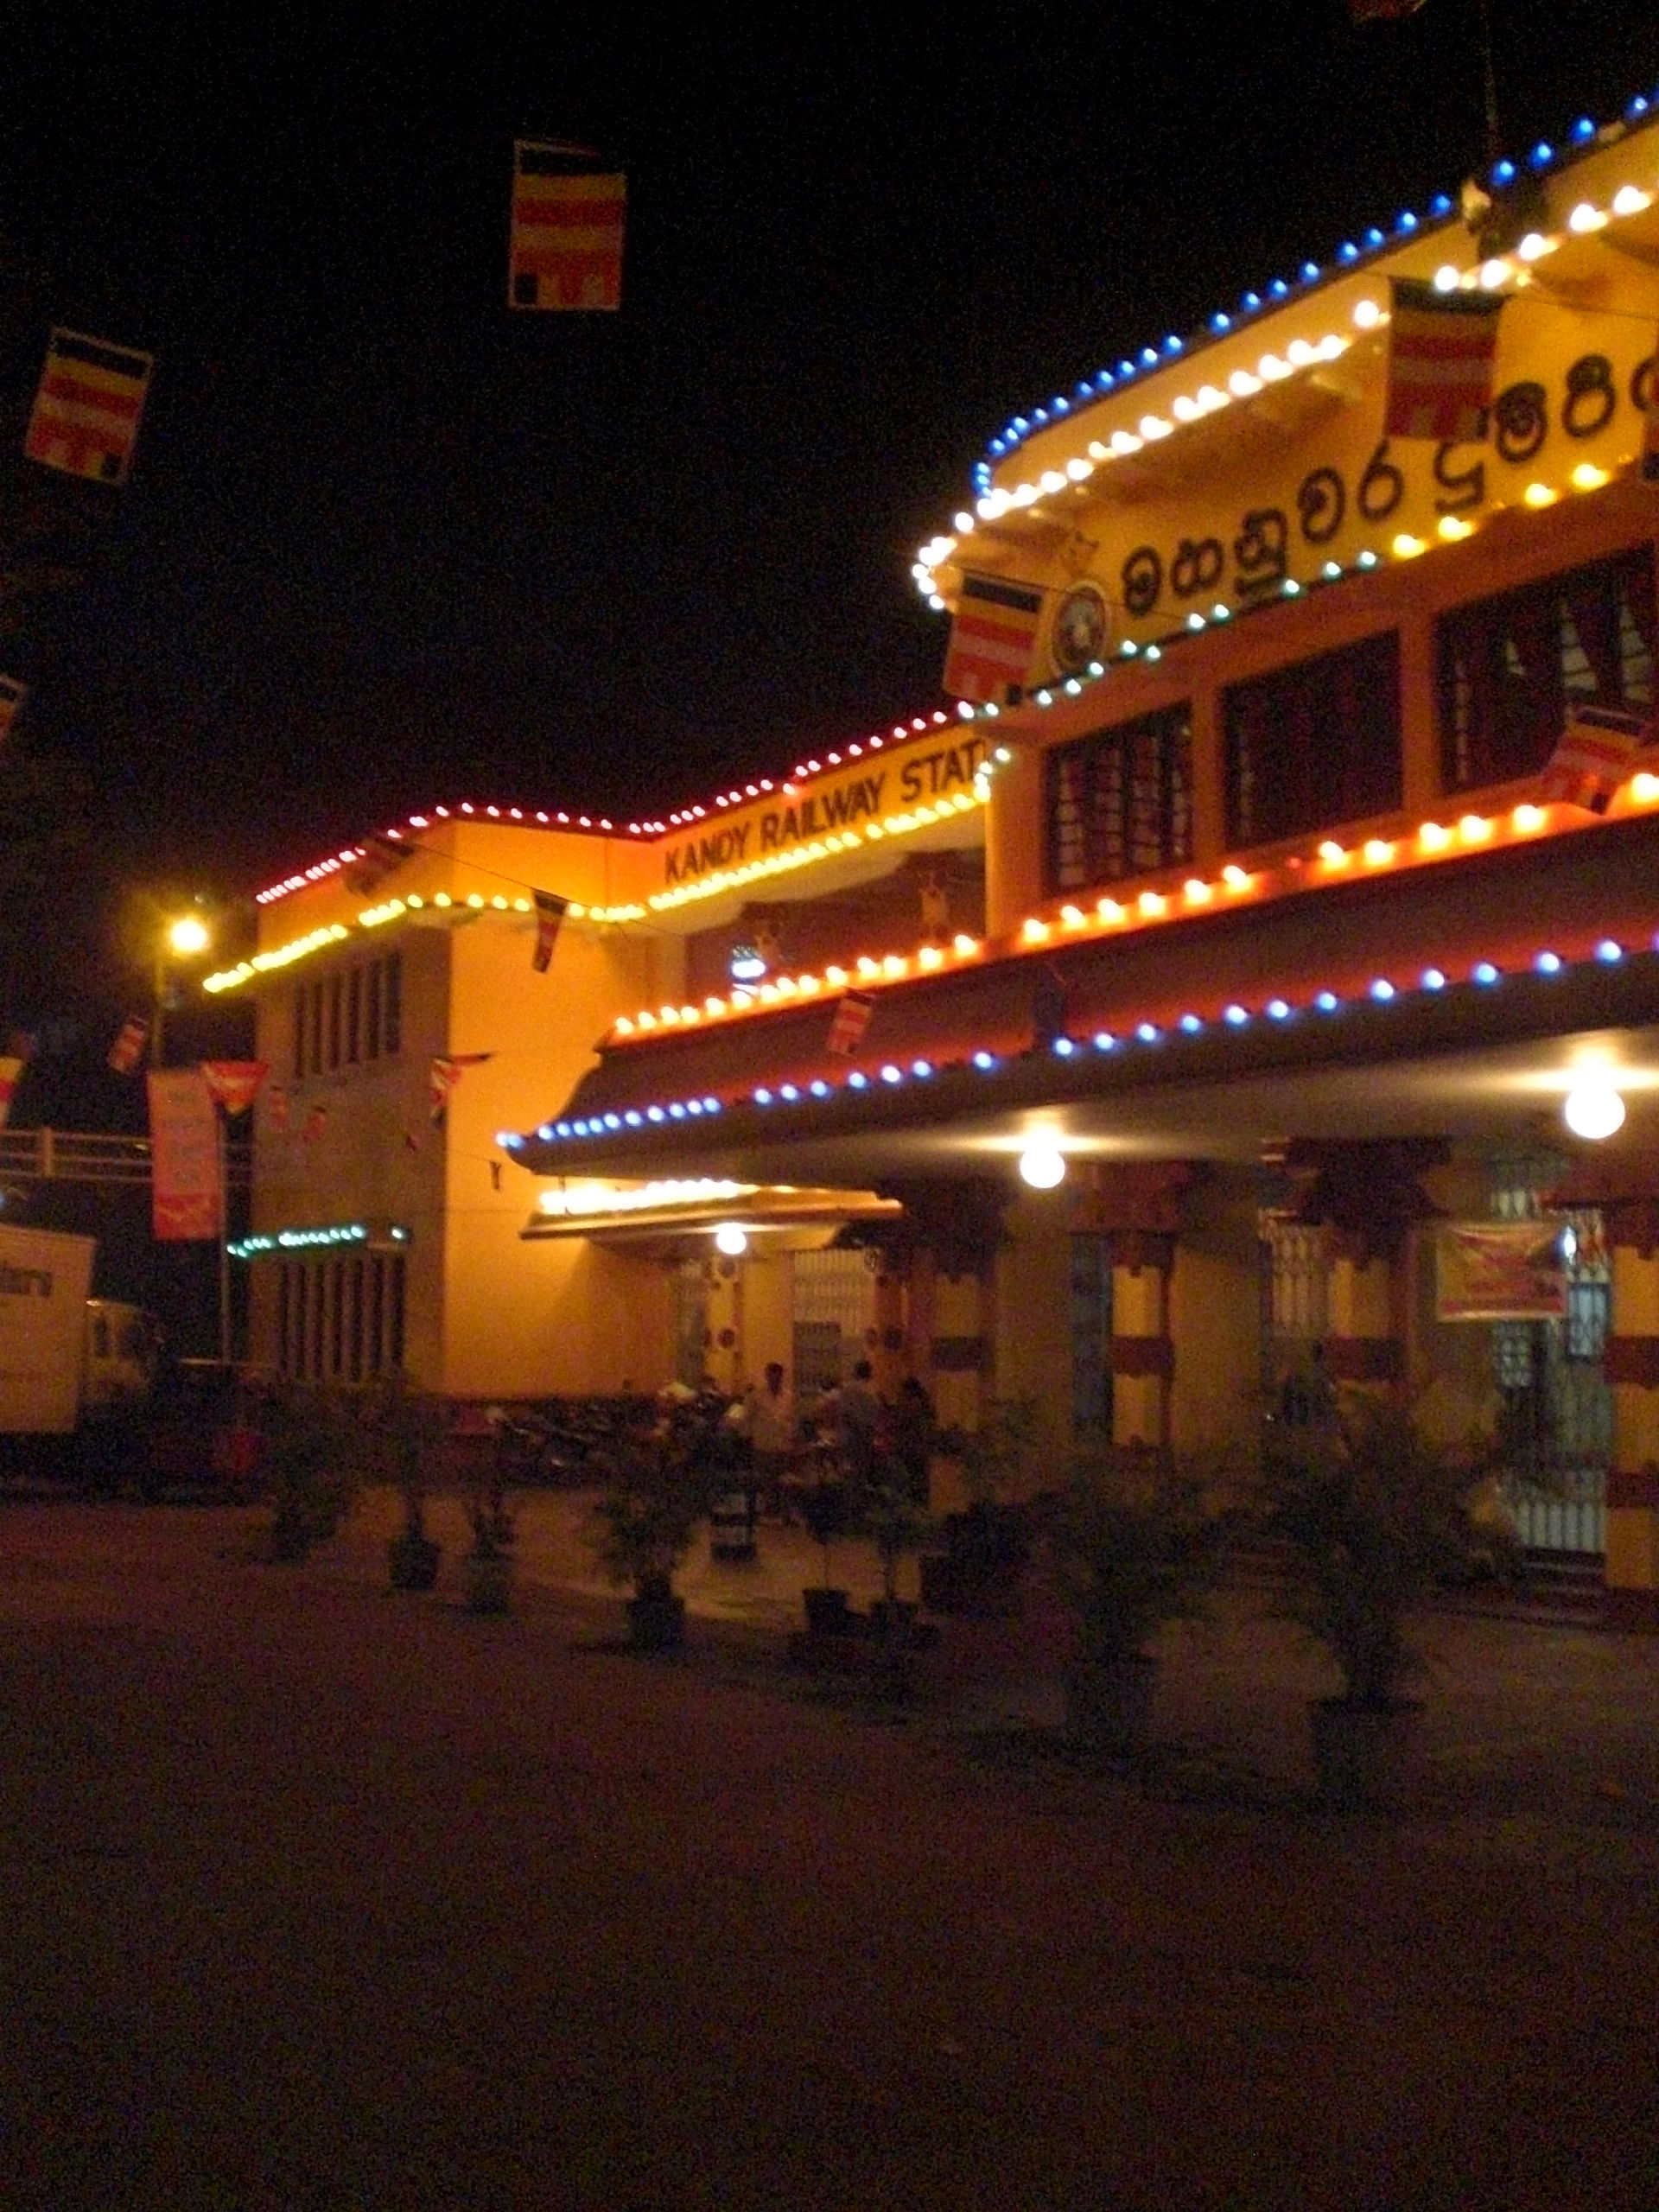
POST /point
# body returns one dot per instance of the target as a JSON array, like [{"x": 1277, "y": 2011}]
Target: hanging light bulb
[
  {"x": 732, "y": 1239},
  {"x": 1043, "y": 1166},
  {"x": 1593, "y": 1110}
]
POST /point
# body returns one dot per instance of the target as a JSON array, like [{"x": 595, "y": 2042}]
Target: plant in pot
[
  {"x": 1374, "y": 1515},
  {"x": 987, "y": 1547},
  {"x": 487, "y": 1567},
  {"x": 640, "y": 1531},
  {"x": 898, "y": 1525},
  {"x": 825, "y": 1513},
  {"x": 1133, "y": 1542},
  {"x": 405, "y": 1428},
  {"x": 314, "y": 1464}
]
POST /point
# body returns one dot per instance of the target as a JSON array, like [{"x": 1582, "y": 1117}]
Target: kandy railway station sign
[{"x": 876, "y": 787}]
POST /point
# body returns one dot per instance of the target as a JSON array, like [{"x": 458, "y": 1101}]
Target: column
[
  {"x": 1368, "y": 1197},
  {"x": 1142, "y": 1356}
]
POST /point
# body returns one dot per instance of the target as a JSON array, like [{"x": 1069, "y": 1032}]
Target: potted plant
[
  {"x": 487, "y": 1567},
  {"x": 406, "y": 1427},
  {"x": 824, "y": 1510},
  {"x": 987, "y": 1547},
  {"x": 1134, "y": 1541},
  {"x": 897, "y": 1525},
  {"x": 1374, "y": 1515},
  {"x": 640, "y": 1531},
  {"x": 313, "y": 1468}
]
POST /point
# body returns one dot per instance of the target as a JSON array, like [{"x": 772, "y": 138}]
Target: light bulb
[
  {"x": 1042, "y": 1166},
  {"x": 1593, "y": 1110}
]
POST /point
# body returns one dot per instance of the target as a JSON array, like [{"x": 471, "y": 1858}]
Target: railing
[{"x": 66, "y": 1156}]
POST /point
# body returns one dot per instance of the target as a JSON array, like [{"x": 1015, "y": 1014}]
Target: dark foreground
[{"x": 316, "y": 1898}]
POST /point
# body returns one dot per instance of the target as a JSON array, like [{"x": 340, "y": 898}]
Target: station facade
[{"x": 1270, "y": 921}]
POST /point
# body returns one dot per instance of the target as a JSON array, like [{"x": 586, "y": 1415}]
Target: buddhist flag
[
  {"x": 234, "y": 1083},
  {"x": 1593, "y": 753},
  {"x": 11, "y": 1070},
  {"x": 1382, "y": 12},
  {"x": 853, "y": 1012},
  {"x": 1442, "y": 348},
  {"x": 315, "y": 1122},
  {"x": 444, "y": 1074},
  {"x": 277, "y": 1107},
  {"x": 549, "y": 913},
  {"x": 128, "y": 1046},
  {"x": 12, "y": 696},
  {"x": 991, "y": 640},
  {"x": 382, "y": 851},
  {"x": 84, "y": 419},
  {"x": 567, "y": 230}
]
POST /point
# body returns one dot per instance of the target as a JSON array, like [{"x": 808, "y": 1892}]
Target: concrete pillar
[
  {"x": 1370, "y": 1199},
  {"x": 1363, "y": 1346}
]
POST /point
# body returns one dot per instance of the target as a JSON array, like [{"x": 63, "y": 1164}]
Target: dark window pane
[
  {"x": 391, "y": 1028},
  {"x": 1119, "y": 802},
  {"x": 1314, "y": 744}
]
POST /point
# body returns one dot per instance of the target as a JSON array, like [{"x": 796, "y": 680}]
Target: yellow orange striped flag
[
  {"x": 84, "y": 420},
  {"x": 992, "y": 639},
  {"x": 567, "y": 230},
  {"x": 1442, "y": 350}
]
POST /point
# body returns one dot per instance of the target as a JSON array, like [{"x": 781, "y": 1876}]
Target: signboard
[
  {"x": 1500, "y": 1271},
  {"x": 875, "y": 786}
]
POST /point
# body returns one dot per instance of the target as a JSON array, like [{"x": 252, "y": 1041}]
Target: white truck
[{"x": 68, "y": 1362}]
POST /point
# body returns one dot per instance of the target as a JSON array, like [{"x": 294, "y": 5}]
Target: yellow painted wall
[{"x": 1034, "y": 1315}]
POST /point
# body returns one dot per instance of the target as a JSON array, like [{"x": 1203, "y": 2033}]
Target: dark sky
[{"x": 387, "y": 544}]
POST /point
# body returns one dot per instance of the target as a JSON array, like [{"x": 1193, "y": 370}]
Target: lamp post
[{"x": 182, "y": 939}]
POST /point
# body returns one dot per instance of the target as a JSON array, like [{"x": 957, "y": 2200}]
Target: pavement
[{"x": 319, "y": 1897}]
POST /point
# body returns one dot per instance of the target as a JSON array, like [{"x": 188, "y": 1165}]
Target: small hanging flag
[
  {"x": 412, "y": 1139},
  {"x": 11, "y": 1070},
  {"x": 382, "y": 851},
  {"x": 1442, "y": 350},
  {"x": 128, "y": 1046},
  {"x": 276, "y": 1100},
  {"x": 315, "y": 1121},
  {"x": 1592, "y": 755},
  {"x": 550, "y": 910},
  {"x": 12, "y": 696},
  {"x": 234, "y": 1083},
  {"x": 567, "y": 229},
  {"x": 853, "y": 1011},
  {"x": 991, "y": 640},
  {"x": 84, "y": 419},
  {"x": 1382, "y": 12},
  {"x": 444, "y": 1074}
]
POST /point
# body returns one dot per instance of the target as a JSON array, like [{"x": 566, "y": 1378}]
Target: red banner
[
  {"x": 234, "y": 1083},
  {"x": 186, "y": 1165}
]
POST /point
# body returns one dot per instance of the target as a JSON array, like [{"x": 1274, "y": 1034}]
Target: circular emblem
[{"x": 1082, "y": 626}]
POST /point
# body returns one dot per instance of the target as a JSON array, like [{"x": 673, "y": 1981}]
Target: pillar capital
[
  {"x": 1626, "y": 1187},
  {"x": 1125, "y": 1196},
  {"x": 1366, "y": 1193}
]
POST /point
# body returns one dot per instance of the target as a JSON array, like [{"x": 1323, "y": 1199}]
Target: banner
[
  {"x": 84, "y": 419},
  {"x": 566, "y": 250},
  {"x": 128, "y": 1049},
  {"x": 12, "y": 696},
  {"x": 234, "y": 1083},
  {"x": 1442, "y": 349},
  {"x": 1593, "y": 753},
  {"x": 11, "y": 1070},
  {"x": 187, "y": 1168},
  {"x": 549, "y": 913},
  {"x": 444, "y": 1074},
  {"x": 1500, "y": 1271},
  {"x": 991, "y": 640}
]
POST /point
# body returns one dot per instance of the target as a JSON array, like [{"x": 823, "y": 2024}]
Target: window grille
[
  {"x": 1314, "y": 744},
  {"x": 1120, "y": 803},
  {"x": 1509, "y": 666}
]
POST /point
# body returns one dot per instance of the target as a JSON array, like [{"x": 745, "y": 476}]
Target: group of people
[{"x": 844, "y": 1433}]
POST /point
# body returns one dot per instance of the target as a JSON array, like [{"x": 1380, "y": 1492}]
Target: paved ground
[{"x": 316, "y": 1897}]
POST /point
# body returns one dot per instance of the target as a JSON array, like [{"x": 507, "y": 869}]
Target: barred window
[
  {"x": 1509, "y": 666},
  {"x": 1119, "y": 802},
  {"x": 1314, "y": 744}
]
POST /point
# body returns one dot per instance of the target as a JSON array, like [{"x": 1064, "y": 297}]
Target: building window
[
  {"x": 1314, "y": 744},
  {"x": 314, "y": 1029},
  {"x": 1119, "y": 802},
  {"x": 392, "y": 1003},
  {"x": 335, "y": 995},
  {"x": 340, "y": 1320},
  {"x": 354, "y": 1016},
  {"x": 1509, "y": 666},
  {"x": 298, "y": 1033}
]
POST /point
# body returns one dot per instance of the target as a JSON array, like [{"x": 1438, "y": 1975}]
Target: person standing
[{"x": 772, "y": 1435}]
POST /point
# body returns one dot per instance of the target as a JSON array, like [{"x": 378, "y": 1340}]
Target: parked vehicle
[{"x": 76, "y": 1373}]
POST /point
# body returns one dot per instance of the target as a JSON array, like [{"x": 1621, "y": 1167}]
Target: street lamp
[{"x": 184, "y": 938}]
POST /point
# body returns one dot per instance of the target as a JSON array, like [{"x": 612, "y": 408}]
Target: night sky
[{"x": 387, "y": 544}]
